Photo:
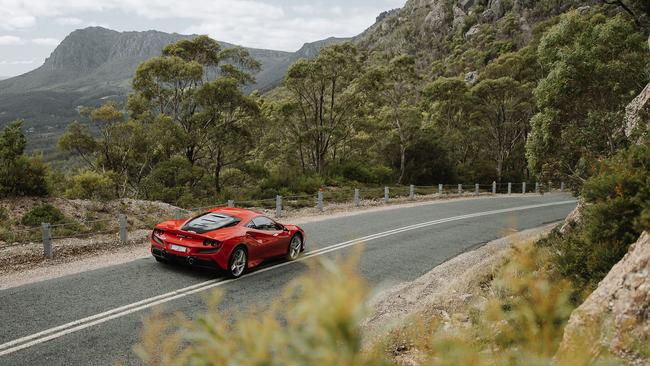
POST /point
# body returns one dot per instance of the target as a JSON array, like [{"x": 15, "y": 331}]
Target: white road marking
[{"x": 75, "y": 326}]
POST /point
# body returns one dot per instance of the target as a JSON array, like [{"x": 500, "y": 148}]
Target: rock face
[
  {"x": 471, "y": 78},
  {"x": 634, "y": 110},
  {"x": 617, "y": 314},
  {"x": 574, "y": 218}
]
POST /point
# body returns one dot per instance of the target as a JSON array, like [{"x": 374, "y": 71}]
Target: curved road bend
[{"x": 95, "y": 317}]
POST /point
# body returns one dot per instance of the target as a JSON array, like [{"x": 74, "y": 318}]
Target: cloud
[
  {"x": 256, "y": 23},
  {"x": 18, "y": 62},
  {"x": 10, "y": 41},
  {"x": 68, "y": 21},
  {"x": 46, "y": 41}
]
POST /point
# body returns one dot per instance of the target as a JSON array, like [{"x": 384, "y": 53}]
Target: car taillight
[
  {"x": 157, "y": 236},
  {"x": 212, "y": 243}
]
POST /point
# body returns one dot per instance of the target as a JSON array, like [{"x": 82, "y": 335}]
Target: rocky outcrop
[
  {"x": 574, "y": 218},
  {"x": 471, "y": 78},
  {"x": 634, "y": 111},
  {"x": 438, "y": 18},
  {"x": 473, "y": 31},
  {"x": 616, "y": 316}
]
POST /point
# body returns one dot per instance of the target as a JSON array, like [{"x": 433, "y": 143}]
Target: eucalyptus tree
[
  {"x": 594, "y": 66},
  {"x": 123, "y": 152},
  {"x": 394, "y": 86},
  {"x": 323, "y": 103},
  {"x": 448, "y": 107},
  {"x": 172, "y": 83},
  {"x": 502, "y": 110},
  {"x": 197, "y": 85}
]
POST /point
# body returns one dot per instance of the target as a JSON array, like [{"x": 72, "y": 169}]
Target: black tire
[
  {"x": 238, "y": 262},
  {"x": 295, "y": 247},
  {"x": 161, "y": 260}
]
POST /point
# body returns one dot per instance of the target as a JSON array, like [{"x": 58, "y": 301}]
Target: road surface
[{"x": 95, "y": 317}]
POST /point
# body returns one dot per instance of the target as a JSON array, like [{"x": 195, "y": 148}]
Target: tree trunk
[
  {"x": 499, "y": 169},
  {"x": 402, "y": 163},
  {"x": 217, "y": 178}
]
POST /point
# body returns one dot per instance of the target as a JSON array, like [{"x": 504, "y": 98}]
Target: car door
[{"x": 273, "y": 240}]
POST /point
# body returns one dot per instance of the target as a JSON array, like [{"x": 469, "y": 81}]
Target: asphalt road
[{"x": 90, "y": 318}]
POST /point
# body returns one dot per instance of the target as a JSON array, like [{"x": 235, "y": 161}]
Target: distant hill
[{"x": 96, "y": 64}]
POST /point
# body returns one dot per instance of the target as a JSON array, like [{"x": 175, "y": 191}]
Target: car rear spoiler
[{"x": 185, "y": 234}]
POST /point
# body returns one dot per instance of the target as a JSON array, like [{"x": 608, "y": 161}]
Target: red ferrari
[{"x": 231, "y": 239}]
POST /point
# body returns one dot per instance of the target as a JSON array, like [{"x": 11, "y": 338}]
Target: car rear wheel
[
  {"x": 237, "y": 263},
  {"x": 295, "y": 246}
]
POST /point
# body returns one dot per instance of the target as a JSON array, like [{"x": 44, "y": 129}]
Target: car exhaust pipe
[{"x": 190, "y": 260}]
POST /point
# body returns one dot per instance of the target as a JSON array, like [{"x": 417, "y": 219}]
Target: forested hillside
[{"x": 438, "y": 91}]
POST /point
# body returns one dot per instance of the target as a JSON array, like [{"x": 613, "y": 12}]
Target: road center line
[{"x": 77, "y": 325}]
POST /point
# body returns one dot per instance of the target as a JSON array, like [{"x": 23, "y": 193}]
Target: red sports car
[{"x": 231, "y": 239}]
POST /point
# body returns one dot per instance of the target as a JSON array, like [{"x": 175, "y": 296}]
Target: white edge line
[{"x": 59, "y": 331}]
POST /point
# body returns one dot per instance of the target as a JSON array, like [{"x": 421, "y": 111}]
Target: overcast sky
[{"x": 31, "y": 29}]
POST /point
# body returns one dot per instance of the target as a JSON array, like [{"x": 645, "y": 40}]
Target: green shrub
[
  {"x": 43, "y": 213},
  {"x": 3, "y": 214},
  {"x": 618, "y": 210},
  {"x": 20, "y": 175},
  {"x": 315, "y": 321},
  {"x": 309, "y": 184},
  {"x": 90, "y": 185},
  {"x": 172, "y": 181}
]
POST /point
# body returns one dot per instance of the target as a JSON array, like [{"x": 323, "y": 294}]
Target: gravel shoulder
[
  {"x": 24, "y": 264},
  {"x": 445, "y": 288}
]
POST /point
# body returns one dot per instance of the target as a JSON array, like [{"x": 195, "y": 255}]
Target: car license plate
[{"x": 178, "y": 248}]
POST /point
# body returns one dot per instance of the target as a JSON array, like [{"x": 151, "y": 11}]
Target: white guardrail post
[
  {"x": 494, "y": 187},
  {"x": 561, "y": 186},
  {"x": 523, "y": 188},
  {"x": 411, "y": 192},
  {"x": 122, "y": 222},
  {"x": 177, "y": 213},
  {"x": 536, "y": 187},
  {"x": 47, "y": 243},
  {"x": 460, "y": 189},
  {"x": 231, "y": 203},
  {"x": 386, "y": 194},
  {"x": 476, "y": 189},
  {"x": 320, "y": 201},
  {"x": 440, "y": 189},
  {"x": 278, "y": 206},
  {"x": 509, "y": 188}
]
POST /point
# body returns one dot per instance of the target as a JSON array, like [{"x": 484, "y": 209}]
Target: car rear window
[{"x": 210, "y": 221}]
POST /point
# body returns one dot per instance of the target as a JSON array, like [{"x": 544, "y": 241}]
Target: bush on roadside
[
  {"x": 43, "y": 213},
  {"x": 310, "y": 324},
  {"x": 20, "y": 175},
  {"x": 90, "y": 185},
  {"x": 617, "y": 211},
  {"x": 518, "y": 318},
  {"x": 316, "y": 321}
]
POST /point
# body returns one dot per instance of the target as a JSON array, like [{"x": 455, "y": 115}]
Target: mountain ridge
[{"x": 95, "y": 64}]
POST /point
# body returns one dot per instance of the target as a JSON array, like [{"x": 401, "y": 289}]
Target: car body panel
[{"x": 260, "y": 244}]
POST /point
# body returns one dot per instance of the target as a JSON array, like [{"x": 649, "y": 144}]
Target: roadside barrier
[{"x": 119, "y": 226}]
